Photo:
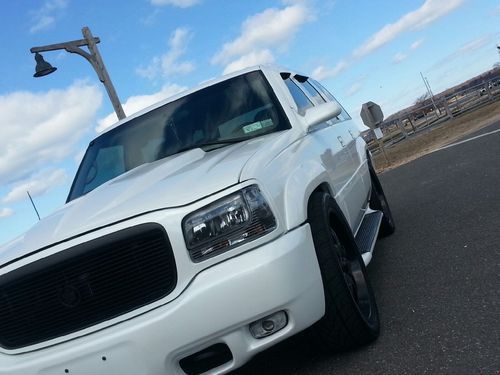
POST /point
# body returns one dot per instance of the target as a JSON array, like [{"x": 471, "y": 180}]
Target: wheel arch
[
  {"x": 300, "y": 185},
  {"x": 340, "y": 223},
  {"x": 307, "y": 180}
]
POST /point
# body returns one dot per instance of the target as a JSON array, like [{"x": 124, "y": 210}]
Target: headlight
[{"x": 227, "y": 223}]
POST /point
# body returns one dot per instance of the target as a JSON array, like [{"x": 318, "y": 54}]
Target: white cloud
[
  {"x": 467, "y": 49},
  {"x": 416, "y": 44},
  {"x": 168, "y": 64},
  {"x": 40, "y": 184},
  {"x": 253, "y": 58},
  {"x": 271, "y": 28},
  {"x": 43, "y": 23},
  {"x": 151, "y": 18},
  {"x": 323, "y": 72},
  {"x": 355, "y": 87},
  {"x": 474, "y": 45},
  {"x": 45, "y": 17},
  {"x": 6, "y": 212},
  {"x": 429, "y": 12},
  {"x": 175, "y": 3},
  {"x": 398, "y": 57},
  {"x": 139, "y": 102},
  {"x": 78, "y": 157},
  {"x": 39, "y": 129},
  {"x": 401, "y": 56}
]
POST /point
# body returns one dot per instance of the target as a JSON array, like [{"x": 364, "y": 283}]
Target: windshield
[{"x": 231, "y": 111}]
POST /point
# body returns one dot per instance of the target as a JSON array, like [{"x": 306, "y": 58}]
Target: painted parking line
[{"x": 467, "y": 140}]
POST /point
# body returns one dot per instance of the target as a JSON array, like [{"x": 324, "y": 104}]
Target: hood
[{"x": 171, "y": 182}]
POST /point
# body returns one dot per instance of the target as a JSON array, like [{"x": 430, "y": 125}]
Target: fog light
[{"x": 268, "y": 325}]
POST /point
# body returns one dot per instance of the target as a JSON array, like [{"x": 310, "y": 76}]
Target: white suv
[{"x": 198, "y": 233}]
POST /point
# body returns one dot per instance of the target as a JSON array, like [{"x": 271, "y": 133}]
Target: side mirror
[{"x": 321, "y": 113}]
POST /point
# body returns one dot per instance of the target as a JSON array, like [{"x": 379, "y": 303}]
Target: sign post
[{"x": 372, "y": 116}]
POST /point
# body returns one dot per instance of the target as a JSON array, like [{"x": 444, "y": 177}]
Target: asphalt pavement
[{"x": 436, "y": 279}]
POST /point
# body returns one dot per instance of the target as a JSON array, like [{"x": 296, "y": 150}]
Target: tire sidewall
[{"x": 338, "y": 299}]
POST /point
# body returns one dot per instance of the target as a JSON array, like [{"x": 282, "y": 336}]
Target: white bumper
[{"x": 216, "y": 307}]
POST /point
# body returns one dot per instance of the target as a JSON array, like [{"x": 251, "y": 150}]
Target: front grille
[{"x": 85, "y": 285}]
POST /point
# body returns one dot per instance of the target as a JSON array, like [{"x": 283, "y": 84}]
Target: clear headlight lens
[{"x": 227, "y": 223}]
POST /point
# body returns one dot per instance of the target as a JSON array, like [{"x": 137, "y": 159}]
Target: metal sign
[{"x": 371, "y": 114}]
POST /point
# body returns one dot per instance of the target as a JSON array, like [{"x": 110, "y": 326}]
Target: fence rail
[{"x": 428, "y": 115}]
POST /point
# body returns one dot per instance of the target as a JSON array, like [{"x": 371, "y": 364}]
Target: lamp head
[{"x": 42, "y": 67}]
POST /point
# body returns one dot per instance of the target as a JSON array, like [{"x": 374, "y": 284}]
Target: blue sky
[{"x": 361, "y": 50}]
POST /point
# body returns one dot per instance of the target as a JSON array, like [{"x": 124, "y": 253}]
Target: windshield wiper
[{"x": 222, "y": 142}]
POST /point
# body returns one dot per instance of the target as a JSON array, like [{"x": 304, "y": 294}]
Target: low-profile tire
[
  {"x": 351, "y": 315},
  {"x": 378, "y": 201}
]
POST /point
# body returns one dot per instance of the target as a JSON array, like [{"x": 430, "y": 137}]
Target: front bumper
[{"x": 216, "y": 307}]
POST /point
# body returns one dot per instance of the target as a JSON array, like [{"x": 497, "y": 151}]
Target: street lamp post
[
  {"x": 429, "y": 91},
  {"x": 94, "y": 58}
]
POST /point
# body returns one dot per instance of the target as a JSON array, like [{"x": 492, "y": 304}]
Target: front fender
[{"x": 300, "y": 184}]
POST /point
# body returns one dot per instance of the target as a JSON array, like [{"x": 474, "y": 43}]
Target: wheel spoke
[{"x": 353, "y": 276}]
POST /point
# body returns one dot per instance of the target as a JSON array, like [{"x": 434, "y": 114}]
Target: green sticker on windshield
[
  {"x": 266, "y": 123},
  {"x": 252, "y": 127}
]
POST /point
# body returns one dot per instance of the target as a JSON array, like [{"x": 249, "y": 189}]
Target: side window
[
  {"x": 323, "y": 91},
  {"x": 310, "y": 89},
  {"x": 298, "y": 95},
  {"x": 326, "y": 94}
]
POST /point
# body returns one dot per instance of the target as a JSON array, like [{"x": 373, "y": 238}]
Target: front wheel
[{"x": 351, "y": 315}]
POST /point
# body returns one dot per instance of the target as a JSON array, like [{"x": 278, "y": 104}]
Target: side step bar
[{"x": 366, "y": 236}]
